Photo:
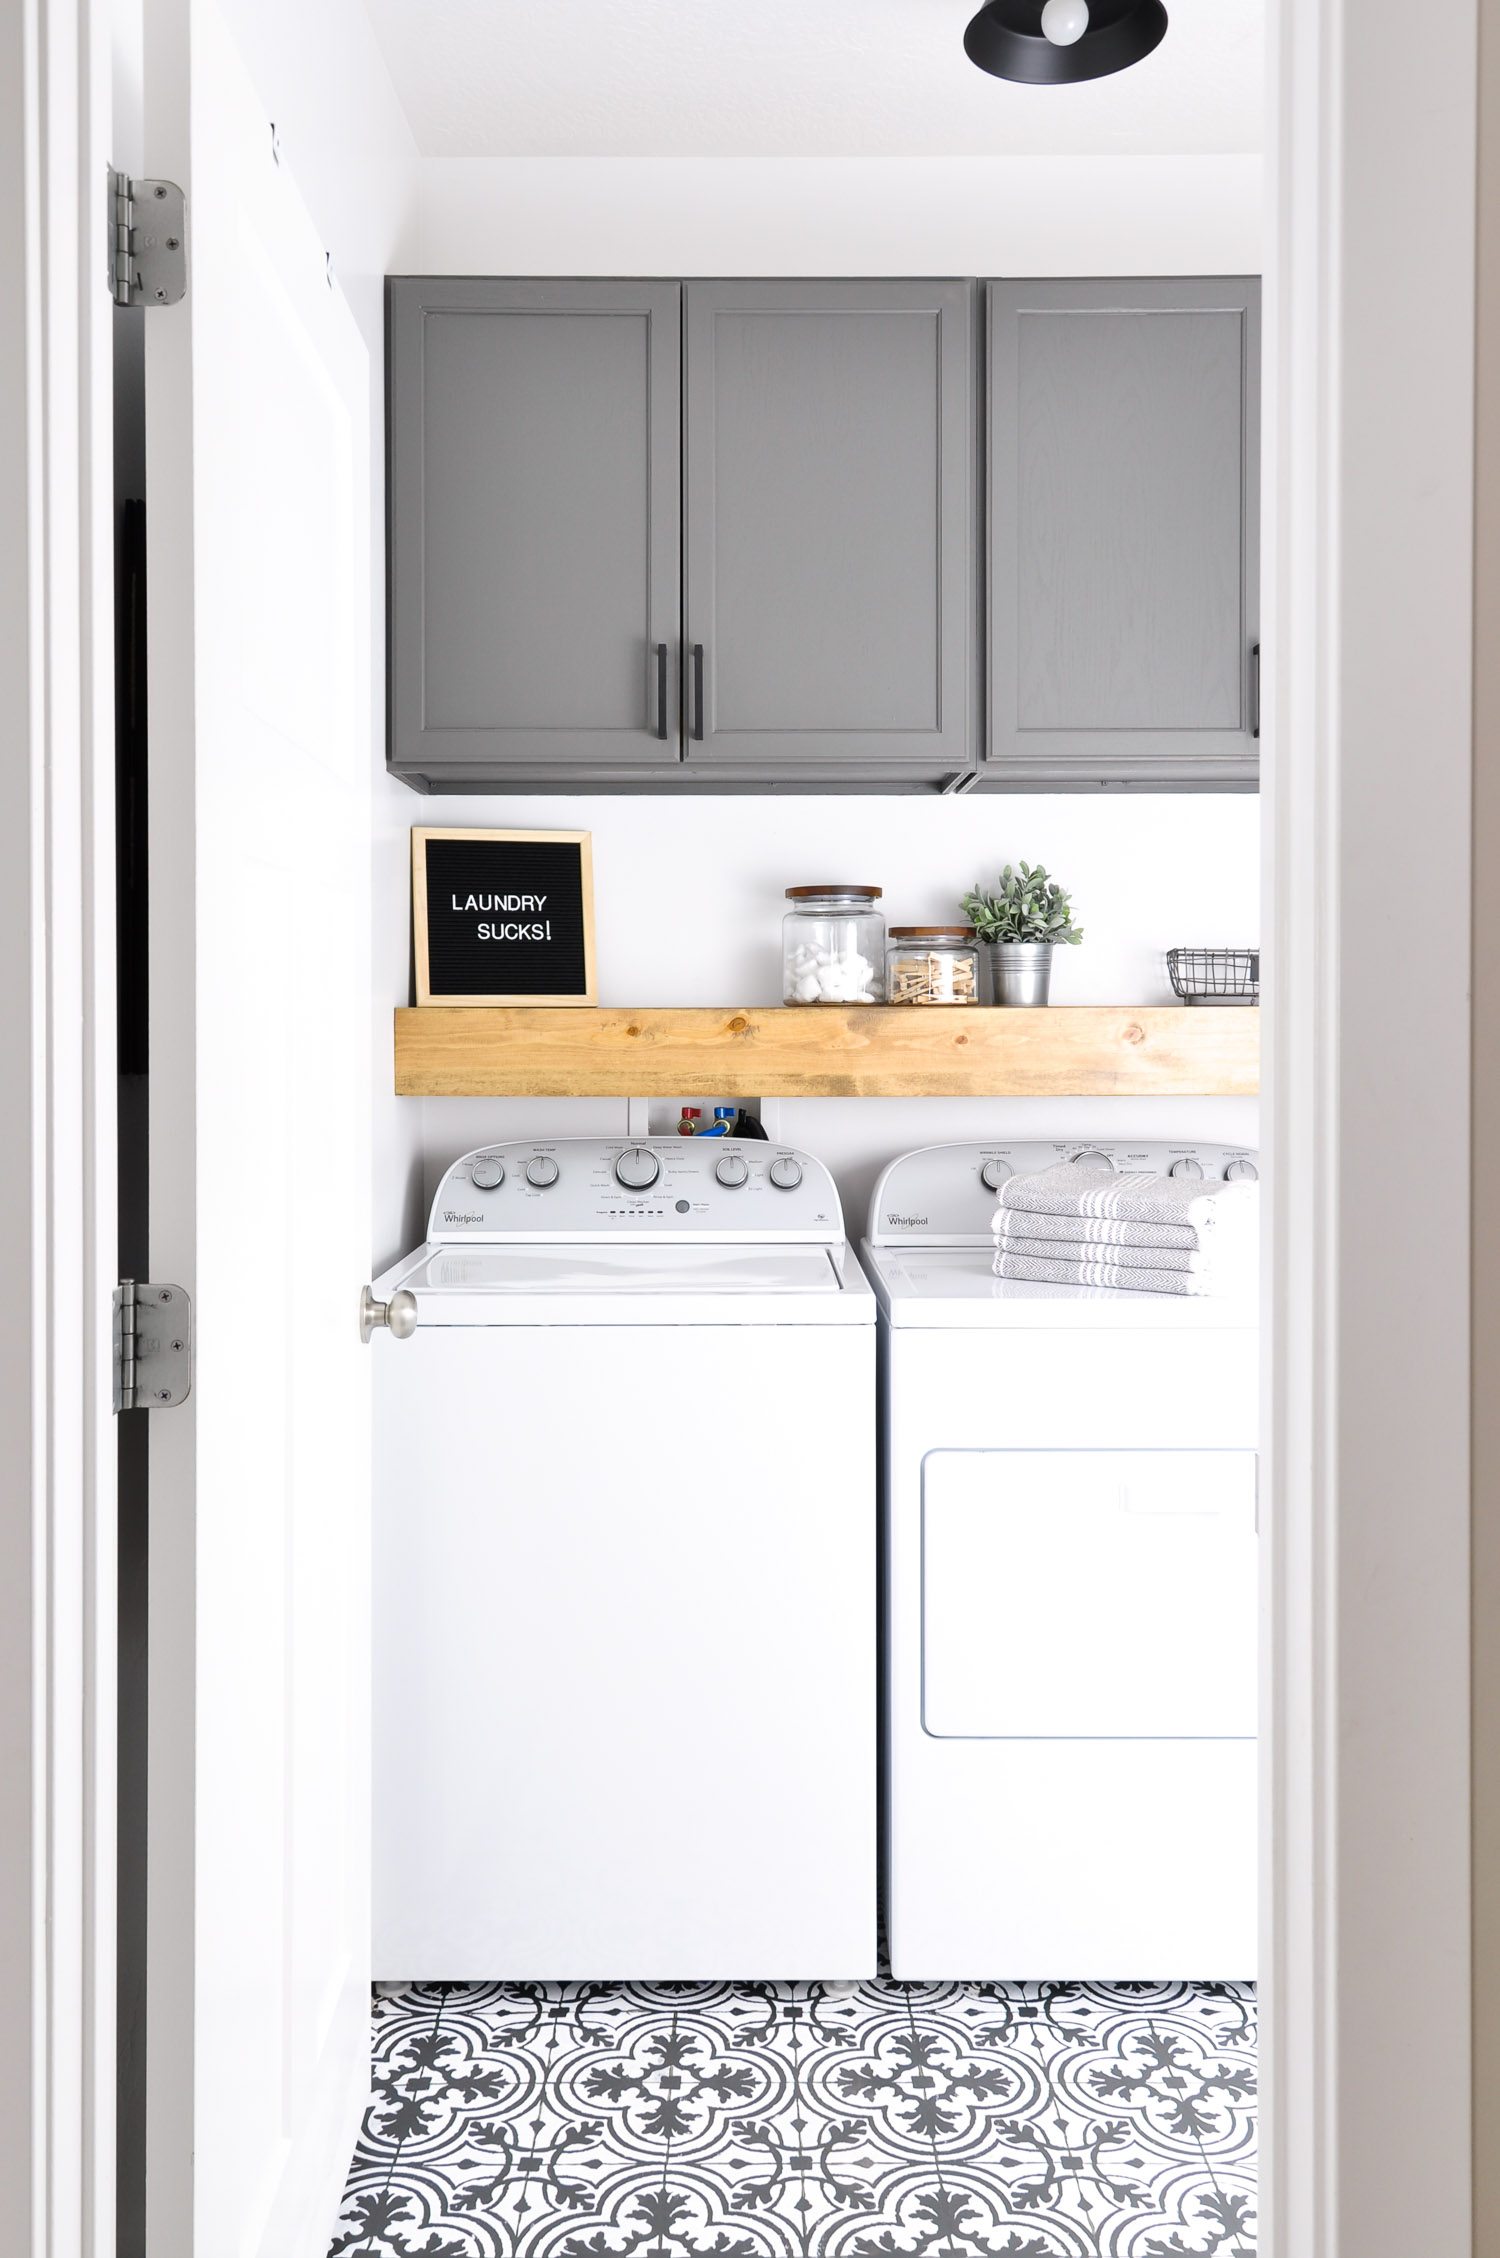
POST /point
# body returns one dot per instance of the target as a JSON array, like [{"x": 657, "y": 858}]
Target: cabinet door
[
  {"x": 830, "y": 511},
  {"x": 535, "y": 508},
  {"x": 1124, "y": 469}
]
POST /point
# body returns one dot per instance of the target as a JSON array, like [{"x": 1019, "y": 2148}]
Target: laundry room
[
  {"x": 754, "y": 1301},
  {"x": 697, "y": 887},
  {"x": 811, "y": 483}
]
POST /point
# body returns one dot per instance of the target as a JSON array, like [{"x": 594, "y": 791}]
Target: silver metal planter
[{"x": 1020, "y": 971}]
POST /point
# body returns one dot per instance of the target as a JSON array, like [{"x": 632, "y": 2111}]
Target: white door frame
[
  {"x": 57, "y": 1182},
  {"x": 1369, "y": 454},
  {"x": 1369, "y": 385}
]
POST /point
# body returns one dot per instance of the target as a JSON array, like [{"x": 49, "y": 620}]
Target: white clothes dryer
[
  {"x": 1069, "y": 1503},
  {"x": 624, "y": 1560}
]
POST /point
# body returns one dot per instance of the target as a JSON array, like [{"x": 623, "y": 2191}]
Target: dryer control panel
[
  {"x": 713, "y": 1190},
  {"x": 945, "y": 1195}
]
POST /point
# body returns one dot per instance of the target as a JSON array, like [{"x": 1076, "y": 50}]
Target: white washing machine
[
  {"x": 1069, "y": 1491},
  {"x": 625, "y": 1549}
]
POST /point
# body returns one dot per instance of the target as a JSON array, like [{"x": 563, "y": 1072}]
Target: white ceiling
[{"x": 796, "y": 78}]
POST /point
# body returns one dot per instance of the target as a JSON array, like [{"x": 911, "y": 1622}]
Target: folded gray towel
[
  {"x": 1190, "y": 1261},
  {"x": 1133, "y": 1196},
  {"x": 1098, "y": 1230},
  {"x": 1122, "y": 1277}
]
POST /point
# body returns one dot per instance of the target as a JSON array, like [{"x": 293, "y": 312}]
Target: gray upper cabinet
[
  {"x": 535, "y": 528},
  {"x": 1123, "y": 552},
  {"x": 713, "y": 536},
  {"x": 829, "y": 575}
]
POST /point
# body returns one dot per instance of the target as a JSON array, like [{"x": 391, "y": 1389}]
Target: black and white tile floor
[{"x": 871, "y": 2120}]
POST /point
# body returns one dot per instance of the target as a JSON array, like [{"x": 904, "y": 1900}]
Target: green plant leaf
[{"x": 1024, "y": 905}]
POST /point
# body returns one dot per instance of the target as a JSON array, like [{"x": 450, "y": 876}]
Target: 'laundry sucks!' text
[{"x": 491, "y": 906}]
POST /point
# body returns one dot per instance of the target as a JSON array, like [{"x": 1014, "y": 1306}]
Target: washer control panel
[
  {"x": 711, "y": 1189},
  {"x": 945, "y": 1195}
]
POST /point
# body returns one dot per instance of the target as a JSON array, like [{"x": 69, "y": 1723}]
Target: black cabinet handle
[
  {"x": 661, "y": 689},
  {"x": 1255, "y": 689},
  {"x": 698, "y": 691}
]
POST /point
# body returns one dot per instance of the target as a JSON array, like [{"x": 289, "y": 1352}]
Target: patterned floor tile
[{"x": 871, "y": 2120}]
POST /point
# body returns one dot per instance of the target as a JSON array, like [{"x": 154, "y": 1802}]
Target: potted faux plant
[{"x": 1023, "y": 919}]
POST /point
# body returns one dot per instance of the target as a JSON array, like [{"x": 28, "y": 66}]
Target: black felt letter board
[{"x": 503, "y": 917}]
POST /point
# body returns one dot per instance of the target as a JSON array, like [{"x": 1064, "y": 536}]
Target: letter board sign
[{"x": 503, "y": 917}]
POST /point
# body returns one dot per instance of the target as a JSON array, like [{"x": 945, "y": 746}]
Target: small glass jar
[
  {"x": 833, "y": 946},
  {"x": 932, "y": 964}
]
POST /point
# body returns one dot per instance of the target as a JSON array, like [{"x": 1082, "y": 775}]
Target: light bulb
[{"x": 1064, "y": 21}]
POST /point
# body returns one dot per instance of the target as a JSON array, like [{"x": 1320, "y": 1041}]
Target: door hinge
[
  {"x": 153, "y": 1341},
  {"x": 147, "y": 241}
]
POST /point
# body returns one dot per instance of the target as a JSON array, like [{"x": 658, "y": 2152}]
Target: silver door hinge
[
  {"x": 153, "y": 1340},
  {"x": 147, "y": 241}
]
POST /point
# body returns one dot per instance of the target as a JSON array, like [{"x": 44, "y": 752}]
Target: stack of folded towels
[{"x": 1080, "y": 1226}]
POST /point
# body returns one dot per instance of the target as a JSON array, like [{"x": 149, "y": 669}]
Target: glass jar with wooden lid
[
  {"x": 833, "y": 946},
  {"x": 932, "y": 964}
]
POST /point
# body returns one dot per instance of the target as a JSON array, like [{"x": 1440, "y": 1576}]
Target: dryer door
[{"x": 1089, "y": 1595}]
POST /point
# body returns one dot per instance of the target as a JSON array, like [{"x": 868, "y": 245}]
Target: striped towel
[
  {"x": 1098, "y": 1230},
  {"x": 1167, "y": 1203},
  {"x": 1166, "y": 1234},
  {"x": 1014, "y": 1237},
  {"x": 1124, "y": 1277}
]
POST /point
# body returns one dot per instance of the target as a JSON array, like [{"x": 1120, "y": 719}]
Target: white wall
[
  {"x": 1024, "y": 215},
  {"x": 842, "y": 215},
  {"x": 690, "y": 896},
  {"x": 344, "y": 137}
]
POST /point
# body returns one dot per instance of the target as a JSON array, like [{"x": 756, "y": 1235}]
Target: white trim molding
[
  {"x": 57, "y": 1186},
  {"x": 1369, "y": 473},
  {"x": 1486, "y": 1280}
]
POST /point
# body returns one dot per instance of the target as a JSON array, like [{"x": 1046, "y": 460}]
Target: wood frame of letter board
[{"x": 583, "y": 840}]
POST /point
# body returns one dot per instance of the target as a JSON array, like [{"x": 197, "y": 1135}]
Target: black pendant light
[{"x": 1081, "y": 39}]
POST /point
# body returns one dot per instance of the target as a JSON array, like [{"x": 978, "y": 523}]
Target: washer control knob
[
  {"x": 487, "y": 1174},
  {"x": 732, "y": 1170},
  {"x": 637, "y": 1169},
  {"x": 1094, "y": 1160},
  {"x": 1242, "y": 1172},
  {"x": 995, "y": 1173},
  {"x": 785, "y": 1173},
  {"x": 1185, "y": 1168},
  {"x": 541, "y": 1170}
]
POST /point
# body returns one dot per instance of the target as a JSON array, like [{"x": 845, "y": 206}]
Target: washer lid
[
  {"x": 607, "y": 1267},
  {"x": 602, "y": 1283}
]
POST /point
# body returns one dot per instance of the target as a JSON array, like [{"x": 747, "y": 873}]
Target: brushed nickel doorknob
[{"x": 398, "y": 1315}]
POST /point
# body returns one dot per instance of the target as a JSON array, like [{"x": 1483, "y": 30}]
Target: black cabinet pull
[
  {"x": 1255, "y": 689},
  {"x": 698, "y": 691},
  {"x": 661, "y": 690}
]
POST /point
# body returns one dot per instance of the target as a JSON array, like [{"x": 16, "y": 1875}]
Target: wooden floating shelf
[{"x": 827, "y": 1051}]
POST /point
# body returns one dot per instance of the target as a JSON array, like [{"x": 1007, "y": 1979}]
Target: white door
[{"x": 258, "y": 472}]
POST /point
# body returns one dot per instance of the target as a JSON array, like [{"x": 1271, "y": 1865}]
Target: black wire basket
[{"x": 1215, "y": 976}]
